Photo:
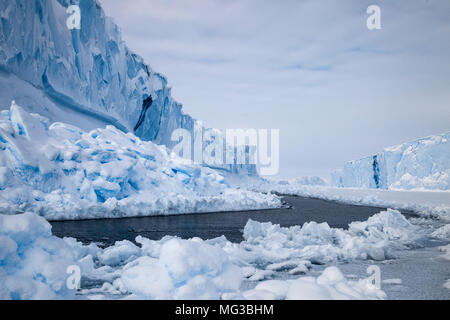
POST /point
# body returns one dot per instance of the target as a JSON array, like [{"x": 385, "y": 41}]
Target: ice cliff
[
  {"x": 87, "y": 77},
  {"x": 89, "y": 70},
  {"x": 63, "y": 172},
  {"x": 421, "y": 164}
]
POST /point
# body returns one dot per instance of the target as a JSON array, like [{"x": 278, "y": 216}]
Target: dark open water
[{"x": 212, "y": 225}]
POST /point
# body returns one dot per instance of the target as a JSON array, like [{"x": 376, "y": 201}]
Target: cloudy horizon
[{"x": 336, "y": 90}]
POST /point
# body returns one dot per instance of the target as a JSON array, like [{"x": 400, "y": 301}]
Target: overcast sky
[{"x": 336, "y": 90}]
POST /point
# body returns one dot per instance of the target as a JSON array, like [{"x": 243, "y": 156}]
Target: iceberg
[
  {"x": 63, "y": 172},
  {"x": 423, "y": 164}
]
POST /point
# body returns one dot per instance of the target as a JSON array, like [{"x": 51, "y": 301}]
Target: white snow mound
[
  {"x": 331, "y": 285},
  {"x": 33, "y": 263}
]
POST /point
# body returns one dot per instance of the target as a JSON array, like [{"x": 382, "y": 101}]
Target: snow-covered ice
[
  {"x": 330, "y": 285},
  {"x": 442, "y": 233},
  {"x": 33, "y": 265},
  {"x": 62, "y": 172},
  {"x": 271, "y": 247},
  {"x": 85, "y": 78},
  {"x": 81, "y": 169},
  {"x": 90, "y": 71}
]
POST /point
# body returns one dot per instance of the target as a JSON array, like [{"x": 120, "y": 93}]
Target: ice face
[
  {"x": 63, "y": 172},
  {"x": 86, "y": 77},
  {"x": 421, "y": 164},
  {"x": 89, "y": 70},
  {"x": 267, "y": 244}
]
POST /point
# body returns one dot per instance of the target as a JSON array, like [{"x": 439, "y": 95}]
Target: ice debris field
[
  {"x": 33, "y": 262},
  {"x": 62, "y": 172}
]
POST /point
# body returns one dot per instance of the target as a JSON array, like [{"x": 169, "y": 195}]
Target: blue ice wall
[
  {"x": 89, "y": 71},
  {"x": 419, "y": 164}
]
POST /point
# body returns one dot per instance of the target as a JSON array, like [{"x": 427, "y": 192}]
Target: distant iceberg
[{"x": 423, "y": 164}]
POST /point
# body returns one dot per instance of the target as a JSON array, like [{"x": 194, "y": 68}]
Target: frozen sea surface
[
  {"x": 417, "y": 274},
  {"x": 209, "y": 226},
  {"x": 422, "y": 273}
]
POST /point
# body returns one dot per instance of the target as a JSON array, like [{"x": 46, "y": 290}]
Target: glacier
[
  {"x": 90, "y": 70},
  {"x": 63, "y": 172},
  {"x": 87, "y": 77},
  {"x": 423, "y": 164}
]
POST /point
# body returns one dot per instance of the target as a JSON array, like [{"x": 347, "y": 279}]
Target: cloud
[{"x": 335, "y": 89}]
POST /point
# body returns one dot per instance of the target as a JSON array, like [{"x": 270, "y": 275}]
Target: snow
[
  {"x": 423, "y": 164},
  {"x": 447, "y": 284},
  {"x": 442, "y": 233},
  {"x": 34, "y": 100},
  {"x": 33, "y": 264},
  {"x": 91, "y": 73},
  {"x": 330, "y": 285},
  {"x": 62, "y": 172}
]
